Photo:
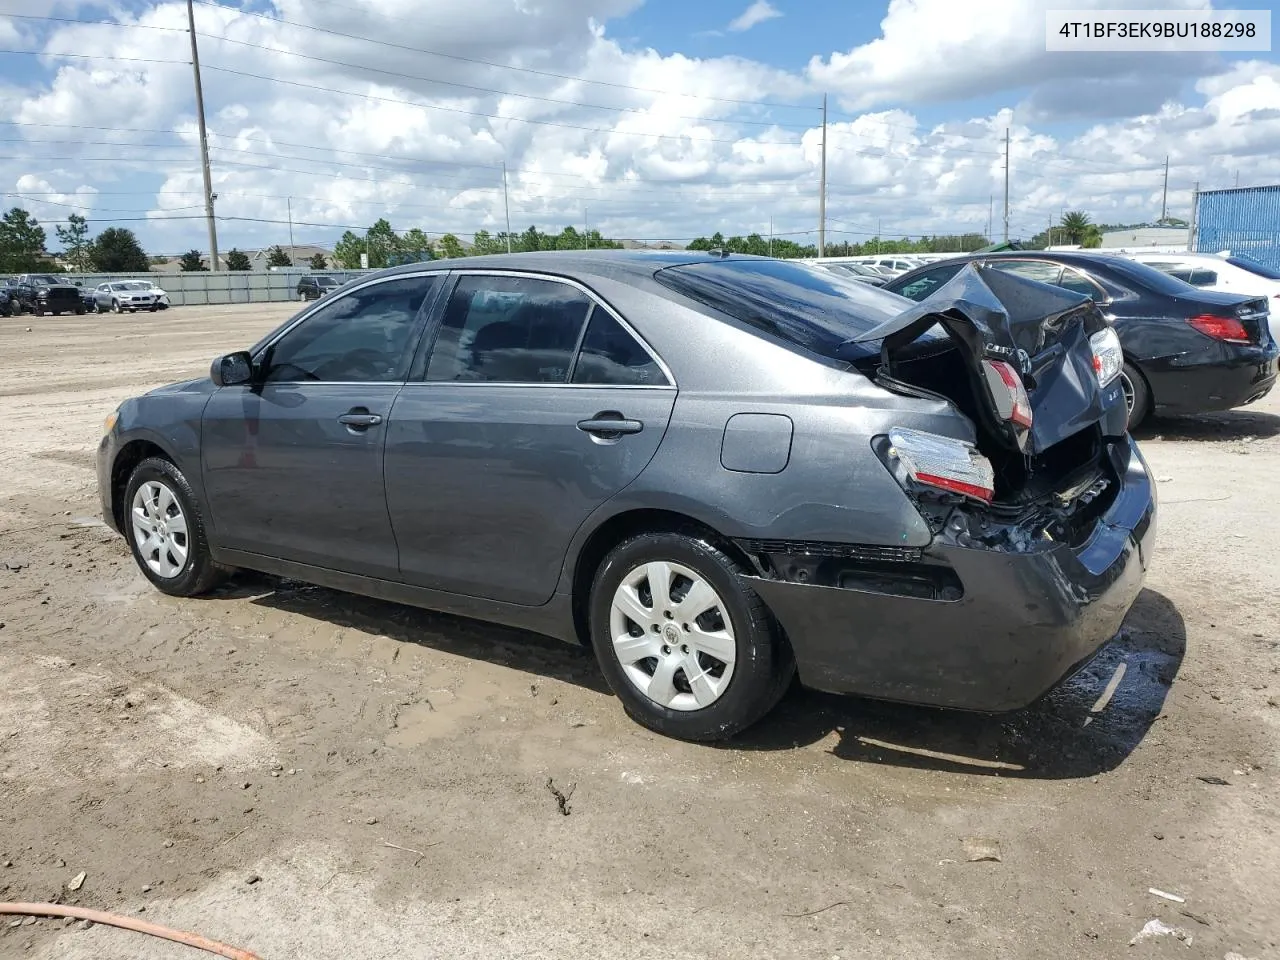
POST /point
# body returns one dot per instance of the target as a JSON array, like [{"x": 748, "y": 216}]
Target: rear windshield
[
  {"x": 1144, "y": 276},
  {"x": 812, "y": 308},
  {"x": 1253, "y": 266}
]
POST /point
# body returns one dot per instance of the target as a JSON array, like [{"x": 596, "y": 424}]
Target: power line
[
  {"x": 409, "y": 76},
  {"x": 503, "y": 66}
]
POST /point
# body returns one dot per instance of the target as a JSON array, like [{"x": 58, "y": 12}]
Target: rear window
[
  {"x": 1145, "y": 276},
  {"x": 807, "y": 306},
  {"x": 1254, "y": 266}
]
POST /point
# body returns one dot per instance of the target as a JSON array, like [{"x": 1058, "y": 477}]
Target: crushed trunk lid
[{"x": 1040, "y": 331}]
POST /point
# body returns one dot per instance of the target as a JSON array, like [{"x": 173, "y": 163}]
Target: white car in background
[{"x": 1228, "y": 272}]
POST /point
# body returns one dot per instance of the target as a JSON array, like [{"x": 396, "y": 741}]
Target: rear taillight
[
  {"x": 1108, "y": 356},
  {"x": 942, "y": 463},
  {"x": 1226, "y": 329},
  {"x": 1007, "y": 391}
]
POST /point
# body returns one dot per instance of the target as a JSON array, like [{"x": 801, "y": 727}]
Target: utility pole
[
  {"x": 1164, "y": 197},
  {"x": 822, "y": 187},
  {"x": 293, "y": 253},
  {"x": 1194, "y": 223},
  {"x": 506, "y": 204},
  {"x": 877, "y": 234},
  {"x": 991, "y": 202},
  {"x": 1006, "y": 184},
  {"x": 204, "y": 142},
  {"x": 1237, "y": 178},
  {"x": 1049, "y": 233},
  {"x": 771, "y": 236}
]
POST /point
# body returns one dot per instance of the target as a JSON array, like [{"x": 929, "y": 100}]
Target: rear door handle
[
  {"x": 610, "y": 424},
  {"x": 358, "y": 420}
]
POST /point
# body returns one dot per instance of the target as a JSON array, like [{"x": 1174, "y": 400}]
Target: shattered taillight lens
[
  {"x": 1108, "y": 357},
  {"x": 1008, "y": 392},
  {"x": 942, "y": 462}
]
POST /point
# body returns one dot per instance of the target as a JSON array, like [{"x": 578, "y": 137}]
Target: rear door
[{"x": 535, "y": 404}]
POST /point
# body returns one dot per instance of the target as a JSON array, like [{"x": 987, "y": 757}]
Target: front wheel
[
  {"x": 166, "y": 532},
  {"x": 691, "y": 650},
  {"x": 115, "y": 306}
]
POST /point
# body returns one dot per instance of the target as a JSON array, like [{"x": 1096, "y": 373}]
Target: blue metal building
[{"x": 1243, "y": 220}]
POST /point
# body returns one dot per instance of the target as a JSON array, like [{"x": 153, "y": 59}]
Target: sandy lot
[{"x": 382, "y": 771}]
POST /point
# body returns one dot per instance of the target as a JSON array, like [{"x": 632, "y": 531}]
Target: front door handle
[
  {"x": 610, "y": 424},
  {"x": 360, "y": 419}
]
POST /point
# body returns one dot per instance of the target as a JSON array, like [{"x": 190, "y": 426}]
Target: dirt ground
[{"x": 313, "y": 775}]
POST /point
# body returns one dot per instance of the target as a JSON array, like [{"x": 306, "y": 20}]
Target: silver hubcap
[
  {"x": 1127, "y": 386},
  {"x": 673, "y": 636},
  {"x": 160, "y": 529}
]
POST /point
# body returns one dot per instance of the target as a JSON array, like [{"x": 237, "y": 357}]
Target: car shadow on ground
[
  {"x": 463, "y": 637},
  {"x": 1229, "y": 425},
  {"x": 1059, "y": 737}
]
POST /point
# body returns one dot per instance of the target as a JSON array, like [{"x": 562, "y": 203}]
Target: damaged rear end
[{"x": 1039, "y": 507}]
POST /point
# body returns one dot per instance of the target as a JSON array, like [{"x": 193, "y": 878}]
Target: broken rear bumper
[{"x": 1023, "y": 620}]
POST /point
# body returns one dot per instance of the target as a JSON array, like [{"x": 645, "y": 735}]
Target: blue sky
[{"x": 632, "y": 129}]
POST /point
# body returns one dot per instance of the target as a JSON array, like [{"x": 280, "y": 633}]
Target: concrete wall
[{"x": 223, "y": 287}]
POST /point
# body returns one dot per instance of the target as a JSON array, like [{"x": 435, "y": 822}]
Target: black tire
[
  {"x": 80, "y": 310},
  {"x": 115, "y": 306},
  {"x": 764, "y": 665},
  {"x": 1135, "y": 387},
  {"x": 199, "y": 573}
]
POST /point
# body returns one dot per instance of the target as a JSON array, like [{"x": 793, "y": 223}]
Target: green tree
[
  {"x": 276, "y": 257},
  {"x": 191, "y": 263},
  {"x": 238, "y": 260},
  {"x": 451, "y": 247},
  {"x": 116, "y": 250},
  {"x": 382, "y": 242},
  {"x": 22, "y": 242},
  {"x": 318, "y": 262},
  {"x": 1074, "y": 225},
  {"x": 1092, "y": 238},
  {"x": 75, "y": 241},
  {"x": 482, "y": 242},
  {"x": 347, "y": 251},
  {"x": 416, "y": 245}
]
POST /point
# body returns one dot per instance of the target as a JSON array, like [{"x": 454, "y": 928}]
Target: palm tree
[{"x": 1075, "y": 225}]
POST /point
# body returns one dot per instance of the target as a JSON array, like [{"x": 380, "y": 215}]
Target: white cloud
[
  {"x": 757, "y": 13},
  {"x": 938, "y": 50},
  {"x": 636, "y": 161}
]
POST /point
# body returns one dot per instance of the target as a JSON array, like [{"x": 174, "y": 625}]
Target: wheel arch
[
  {"x": 622, "y": 526},
  {"x": 127, "y": 459}
]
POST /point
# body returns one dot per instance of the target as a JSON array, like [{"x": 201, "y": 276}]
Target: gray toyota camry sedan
[{"x": 718, "y": 471}]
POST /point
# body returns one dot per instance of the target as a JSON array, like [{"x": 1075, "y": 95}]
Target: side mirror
[{"x": 232, "y": 369}]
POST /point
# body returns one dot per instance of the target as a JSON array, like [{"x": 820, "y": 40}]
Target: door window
[
  {"x": 924, "y": 284},
  {"x": 502, "y": 329},
  {"x": 365, "y": 337},
  {"x": 611, "y": 355}
]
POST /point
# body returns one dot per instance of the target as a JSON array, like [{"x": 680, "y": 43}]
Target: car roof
[{"x": 571, "y": 263}]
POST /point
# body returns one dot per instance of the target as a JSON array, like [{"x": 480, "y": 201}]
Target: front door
[
  {"x": 537, "y": 405},
  {"x": 293, "y": 464}
]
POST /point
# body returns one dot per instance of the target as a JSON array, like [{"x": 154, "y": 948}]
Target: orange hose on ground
[{"x": 128, "y": 923}]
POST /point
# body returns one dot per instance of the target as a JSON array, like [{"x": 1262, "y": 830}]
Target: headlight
[{"x": 110, "y": 423}]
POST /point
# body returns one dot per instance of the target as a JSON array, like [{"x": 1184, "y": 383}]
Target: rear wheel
[
  {"x": 1137, "y": 395},
  {"x": 166, "y": 532},
  {"x": 691, "y": 651}
]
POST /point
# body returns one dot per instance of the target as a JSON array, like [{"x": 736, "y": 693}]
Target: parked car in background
[
  {"x": 42, "y": 293},
  {"x": 714, "y": 469},
  {"x": 10, "y": 306},
  {"x": 1186, "y": 350},
  {"x": 1223, "y": 272},
  {"x": 88, "y": 297},
  {"x": 315, "y": 286},
  {"x": 120, "y": 296},
  {"x": 895, "y": 265},
  {"x": 858, "y": 271}
]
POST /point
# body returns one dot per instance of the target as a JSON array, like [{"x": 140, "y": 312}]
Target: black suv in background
[
  {"x": 313, "y": 287},
  {"x": 1186, "y": 350},
  {"x": 41, "y": 293}
]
